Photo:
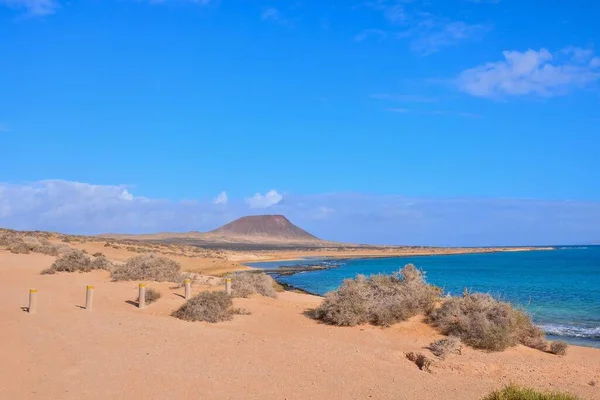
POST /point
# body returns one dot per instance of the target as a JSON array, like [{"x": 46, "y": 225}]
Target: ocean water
[{"x": 559, "y": 288}]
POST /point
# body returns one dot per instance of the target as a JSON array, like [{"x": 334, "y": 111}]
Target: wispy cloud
[
  {"x": 435, "y": 112},
  {"x": 539, "y": 73},
  {"x": 274, "y": 15},
  {"x": 221, "y": 198},
  {"x": 85, "y": 208},
  {"x": 267, "y": 200},
  {"x": 36, "y": 8},
  {"x": 404, "y": 98},
  {"x": 368, "y": 33},
  {"x": 432, "y": 33},
  {"x": 426, "y": 32}
]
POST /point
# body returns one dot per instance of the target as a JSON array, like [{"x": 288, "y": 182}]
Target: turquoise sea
[{"x": 559, "y": 288}]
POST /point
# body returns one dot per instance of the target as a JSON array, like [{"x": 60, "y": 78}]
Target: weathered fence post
[
  {"x": 228, "y": 286},
  {"x": 142, "y": 296},
  {"x": 32, "y": 309},
  {"x": 89, "y": 297},
  {"x": 188, "y": 288}
]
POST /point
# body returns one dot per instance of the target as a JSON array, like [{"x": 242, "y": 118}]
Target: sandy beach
[{"x": 276, "y": 352}]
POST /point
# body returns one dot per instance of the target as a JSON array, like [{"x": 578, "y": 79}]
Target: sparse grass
[
  {"x": 148, "y": 267},
  {"x": 379, "y": 300},
  {"x": 444, "y": 347},
  {"x": 559, "y": 348},
  {"x": 207, "y": 306},
  {"x": 513, "y": 392},
  {"x": 244, "y": 284},
  {"x": 420, "y": 360},
  {"x": 151, "y": 295},
  {"x": 483, "y": 322}
]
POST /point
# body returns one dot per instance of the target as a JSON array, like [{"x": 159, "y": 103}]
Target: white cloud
[
  {"x": 33, "y": 7},
  {"x": 427, "y": 32},
  {"x": 267, "y": 200},
  {"x": 532, "y": 72},
  {"x": 274, "y": 15},
  {"x": 90, "y": 209},
  {"x": 221, "y": 198}
]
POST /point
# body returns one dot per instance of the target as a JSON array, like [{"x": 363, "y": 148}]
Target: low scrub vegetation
[
  {"x": 513, "y": 392},
  {"x": 444, "y": 347},
  {"x": 380, "y": 299},
  {"x": 559, "y": 348},
  {"x": 151, "y": 295},
  {"x": 77, "y": 261},
  {"x": 20, "y": 243},
  {"x": 483, "y": 322},
  {"x": 207, "y": 306},
  {"x": 244, "y": 284},
  {"x": 148, "y": 267},
  {"x": 420, "y": 360}
]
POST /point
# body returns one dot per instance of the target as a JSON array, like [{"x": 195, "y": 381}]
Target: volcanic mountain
[{"x": 264, "y": 226}]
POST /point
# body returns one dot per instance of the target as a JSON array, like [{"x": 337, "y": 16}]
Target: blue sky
[{"x": 422, "y": 122}]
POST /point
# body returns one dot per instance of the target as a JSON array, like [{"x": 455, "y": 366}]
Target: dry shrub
[
  {"x": 513, "y": 392},
  {"x": 379, "y": 299},
  {"x": 151, "y": 295},
  {"x": 483, "y": 322},
  {"x": 148, "y": 267},
  {"x": 420, "y": 361},
  {"x": 76, "y": 260},
  {"x": 559, "y": 348},
  {"x": 444, "y": 347},
  {"x": 98, "y": 254},
  {"x": 244, "y": 284},
  {"x": 207, "y": 306},
  {"x": 19, "y": 247},
  {"x": 71, "y": 262},
  {"x": 101, "y": 262}
]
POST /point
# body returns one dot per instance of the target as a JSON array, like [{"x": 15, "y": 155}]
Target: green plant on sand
[{"x": 513, "y": 392}]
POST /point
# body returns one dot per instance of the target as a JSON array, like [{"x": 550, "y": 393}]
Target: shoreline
[{"x": 323, "y": 254}]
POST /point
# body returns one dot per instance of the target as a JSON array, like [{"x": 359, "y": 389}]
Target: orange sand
[{"x": 117, "y": 351}]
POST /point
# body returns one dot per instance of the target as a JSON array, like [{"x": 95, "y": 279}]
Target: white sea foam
[{"x": 572, "y": 331}]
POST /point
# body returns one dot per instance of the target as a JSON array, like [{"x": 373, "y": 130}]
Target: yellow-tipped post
[
  {"x": 89, "y": 297},
  {"x": 228, "y": 286},
  {"x": 188, "y": 288},
  {"x": 32, "y": 309},
  {"x": 142, "y": 296}
]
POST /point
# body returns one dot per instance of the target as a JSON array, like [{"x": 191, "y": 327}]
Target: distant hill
[
  {"x": 266, "y": 226},
  {"x": 259, "y": 232}
]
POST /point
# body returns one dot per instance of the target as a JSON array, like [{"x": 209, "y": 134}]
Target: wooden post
[
  {"x": 228, "y": 286},
  {"x": 32, "y": 309},
  {"x": 142, "y": 296},
  {"x": 89, "y": 297},
  {"x": 188, "y": 288}
]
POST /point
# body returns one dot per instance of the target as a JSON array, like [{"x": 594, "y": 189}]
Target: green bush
[{"x": 513, "y": 392}]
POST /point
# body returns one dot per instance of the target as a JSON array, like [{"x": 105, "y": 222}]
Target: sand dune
[{"x": 117, "y": 351}]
